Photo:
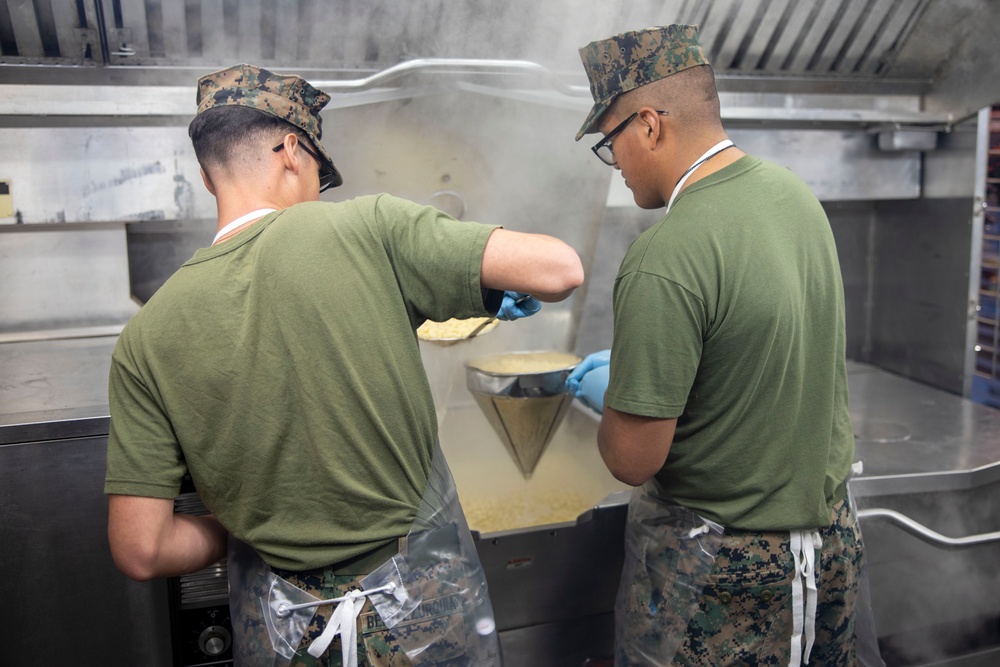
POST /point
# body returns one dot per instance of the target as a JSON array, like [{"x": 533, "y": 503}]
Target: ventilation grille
[
  {"x": 207, "y": 586},
  {"x": 845, "y": 38}
]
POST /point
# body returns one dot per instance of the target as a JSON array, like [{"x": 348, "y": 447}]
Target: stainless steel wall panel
[
  {"x": 105, "y": 174},
  {"x": 131, "y": 40},
  {"x": 949, "y": 170},
  {"x": 323, "y": 34},
  {"x": 174, "y": 29},
  {"x": 60, "y": 579},
  {"x": 213, "y": 32},
  {"x": 60, "y": 277},
  {"x": 852, "y": 223},
  {"x": 286, "y": 33},
  {"x": 920, "y": 288},
  {"x": 356, "y": 30},
  {"x": 849, "y": 169},
  {"x": 67, "y": 29},
  {"x": 250, "y": 16},
  {"x": 25, "y": 25}
]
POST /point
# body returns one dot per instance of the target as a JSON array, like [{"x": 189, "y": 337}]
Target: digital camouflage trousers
[{"x": 744, "y": 614}]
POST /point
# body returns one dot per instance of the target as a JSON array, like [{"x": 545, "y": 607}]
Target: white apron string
[
  {"x": 804, "y": 545},
  {"x": 343, "y": 622}
]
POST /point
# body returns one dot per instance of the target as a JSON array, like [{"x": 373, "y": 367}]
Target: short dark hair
[
  {"x": 219, "y": 133},
  {"x": 691, "y": 97}
]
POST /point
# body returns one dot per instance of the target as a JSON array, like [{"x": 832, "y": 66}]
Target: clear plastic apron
[
  {"x": 433, "y": 599},
  {"x": 669, "y": 554}
]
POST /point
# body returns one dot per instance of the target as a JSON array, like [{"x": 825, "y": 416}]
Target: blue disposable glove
[
  {"x": 589, "y": 380},
  {"x": 516, "y": 305}
]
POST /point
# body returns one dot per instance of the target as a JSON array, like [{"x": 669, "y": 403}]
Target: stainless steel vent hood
[{"x": 940, "y": 51}]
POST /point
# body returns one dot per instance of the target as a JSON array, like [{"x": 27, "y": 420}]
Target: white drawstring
[
  {"x": 343, "y": 622},
  {"x": 804, "y": 545}
]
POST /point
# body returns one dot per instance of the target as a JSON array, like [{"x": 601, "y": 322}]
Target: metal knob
[{"x": 214, "y": 640}]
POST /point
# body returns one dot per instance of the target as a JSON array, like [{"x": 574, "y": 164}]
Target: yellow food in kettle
[{"x": 519, "y": 363}]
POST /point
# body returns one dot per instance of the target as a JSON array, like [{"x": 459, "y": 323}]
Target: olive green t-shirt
[
  {"x": 281, "y": 368},
  {"x": 729, "y": 315}
]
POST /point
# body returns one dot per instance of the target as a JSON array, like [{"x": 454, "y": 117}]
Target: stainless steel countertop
[
  {"x": 54, "y": 388},
  {"x": 910, "y": 436}
]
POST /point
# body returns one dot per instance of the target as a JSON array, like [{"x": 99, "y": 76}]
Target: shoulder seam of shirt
[{"x": 665, "y": 279}]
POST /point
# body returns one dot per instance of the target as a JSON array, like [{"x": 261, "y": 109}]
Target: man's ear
[
  {"x": 289, "y": 155},
  {"x": 207, "y": 181},
  {"x": 654, "y": 123}
]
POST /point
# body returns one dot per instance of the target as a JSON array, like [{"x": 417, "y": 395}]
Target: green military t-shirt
[
  {"x": 729, "y": 315},
  {"x": 282, "y": 369}
]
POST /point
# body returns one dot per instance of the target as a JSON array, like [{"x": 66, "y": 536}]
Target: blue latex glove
[
  {"x": 516, "y": 305},
  {"x": 589, "y": 380}
]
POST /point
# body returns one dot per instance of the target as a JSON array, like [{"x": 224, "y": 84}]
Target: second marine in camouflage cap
[
  {"x": 288, "y": 97},
  {"x": 624, "y": 62}
]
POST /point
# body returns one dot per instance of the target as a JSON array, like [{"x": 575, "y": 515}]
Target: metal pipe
[
  {"x": 451, "y": 66},
  {"x": 925, "y": 533}
]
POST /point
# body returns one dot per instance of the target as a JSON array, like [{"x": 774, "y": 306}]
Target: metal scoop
[{"x": 475, "y": 332}]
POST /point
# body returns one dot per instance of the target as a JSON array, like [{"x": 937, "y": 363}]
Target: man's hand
[
  {"x": 589, "y": 380},
  {"x": 516, "y": 305}
]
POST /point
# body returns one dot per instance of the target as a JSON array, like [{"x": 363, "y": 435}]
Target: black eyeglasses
[
  {"x": 328, "y": 175},
  {"x": 603, "y": 150}
]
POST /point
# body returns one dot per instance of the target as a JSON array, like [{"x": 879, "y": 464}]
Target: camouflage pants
[
  {"x": 744, "y": 614},
  {"x": 438, "y": 624}
]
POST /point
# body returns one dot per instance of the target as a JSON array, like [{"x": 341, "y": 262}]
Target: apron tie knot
[{"x": 343, "y": 622}]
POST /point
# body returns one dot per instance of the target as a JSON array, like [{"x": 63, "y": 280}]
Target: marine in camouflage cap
[
  {"x": 627, "y": 61},
  {"x": 288, "y": 97}
]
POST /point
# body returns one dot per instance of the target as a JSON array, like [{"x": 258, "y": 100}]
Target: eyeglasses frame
[
  {"x": 327, "y": 172},
  {"x": 609, "y": 137}
]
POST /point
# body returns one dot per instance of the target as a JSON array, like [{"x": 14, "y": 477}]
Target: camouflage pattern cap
[
  {"x": 288, "y": 97},
  {"x": 624, "y": 62}
]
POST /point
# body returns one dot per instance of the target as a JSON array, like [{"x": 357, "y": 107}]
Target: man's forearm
[{"x": 148, "y": 539}]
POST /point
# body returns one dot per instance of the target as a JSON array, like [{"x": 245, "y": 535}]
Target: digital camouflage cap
[
  {"x": 288, "y": 97},
  {"x": 627, "y": 61}
]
